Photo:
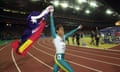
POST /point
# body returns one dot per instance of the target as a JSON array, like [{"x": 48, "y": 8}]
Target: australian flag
[
  {"x": 36, "y": 24},
  {"x": 30, "y": 35}
]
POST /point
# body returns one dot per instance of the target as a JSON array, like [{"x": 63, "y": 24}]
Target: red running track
[{"x": 40, "y": 58}]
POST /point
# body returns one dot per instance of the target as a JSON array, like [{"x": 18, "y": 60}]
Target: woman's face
[{"x": 60, "y": 31}]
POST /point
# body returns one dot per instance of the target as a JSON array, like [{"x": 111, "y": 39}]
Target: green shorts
[{"x": 60, "y": 62}]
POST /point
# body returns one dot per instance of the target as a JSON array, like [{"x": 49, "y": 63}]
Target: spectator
[
  {"x": 73, "y": 39},
  {"x": 77, "y": 38},
  {"x": 92, "y": 35},
  {"x": 67, "y": 39},
  {"x": 97, "y": 38}
]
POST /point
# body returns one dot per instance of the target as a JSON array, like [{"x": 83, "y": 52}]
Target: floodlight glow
[
  {"x": 56, "y": 3},
  {"x": 82, "y": 1},
  {"x": 14, "y": 11},
  {"x": 115, "y": 14},
  {"x": 6, "y": 10},
  {"x": 77, "y": 8},
  {"x": 7, "y": 24},
  {"x": 93, "y": 4},
  {"x": 71, "y": 6},
  {"x": 108, "y": 11},
  {"x": 64, "y": 5},
  {"x": 34, "y": 0},
  {"x": 87, "y": 11},
  {"x": 22, "y": 13}
]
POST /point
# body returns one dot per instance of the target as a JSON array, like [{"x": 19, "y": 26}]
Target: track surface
[{"x": 40, "y": 58}]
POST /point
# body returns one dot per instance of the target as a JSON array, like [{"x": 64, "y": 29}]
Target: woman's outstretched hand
[{"x": 80, "y": 27}]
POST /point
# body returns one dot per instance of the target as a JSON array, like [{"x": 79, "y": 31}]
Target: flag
[
  {"x": 36, "y": 24},
  {"x": 24, "y": 47},
  {"x": 27, "y": 44}
]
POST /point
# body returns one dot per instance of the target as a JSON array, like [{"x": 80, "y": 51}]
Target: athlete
[{"x": 59, "y": 43}]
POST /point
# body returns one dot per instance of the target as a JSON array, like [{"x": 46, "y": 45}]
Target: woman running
[{"x": 59, "y": 43}]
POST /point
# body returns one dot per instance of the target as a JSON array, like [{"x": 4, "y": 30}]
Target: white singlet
[{"x": 59, "y": 44}]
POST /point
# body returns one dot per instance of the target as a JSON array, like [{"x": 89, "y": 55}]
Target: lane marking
[
  {"x": 42, "y": 51},
  {"x": 84, "y": 57},
  {"x": 94, "y": 54},
  {"x": 3, "y": 47},
  {"x": 40, "y": 61},
  {"x": 97, "y": 49},
  {"x": 113, "y": 50},
  {"x": 94, "y": 59},
  {"x": 14, "y": 61},
  {"x": 70, "y": 61},
  {"x": 106, "y": 50}
]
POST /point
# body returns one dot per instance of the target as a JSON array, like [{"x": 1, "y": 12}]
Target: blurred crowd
[{"x": 9, "y": 32}]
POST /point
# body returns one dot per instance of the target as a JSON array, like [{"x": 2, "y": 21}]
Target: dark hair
[{"x": 58, "y": 26}]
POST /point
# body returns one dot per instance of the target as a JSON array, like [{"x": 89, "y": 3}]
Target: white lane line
[
  {"x": 93, "y": 59},
  {"x": 85, "y": 66},
  {"x": 40, "y": 61},
  {"x": 14, "y": 61},
  {"x": 3, "y": 47},
  {"x": 94, "y": 53},
  {"x": 97, "y": 49},
  {"x": 92, "y": 49},
  {"x": 113, "y": 50},
  {"x": 85, "y": 57},
  {"x": 70, "y": 61},
  {"x": 42, "y": 51}
]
